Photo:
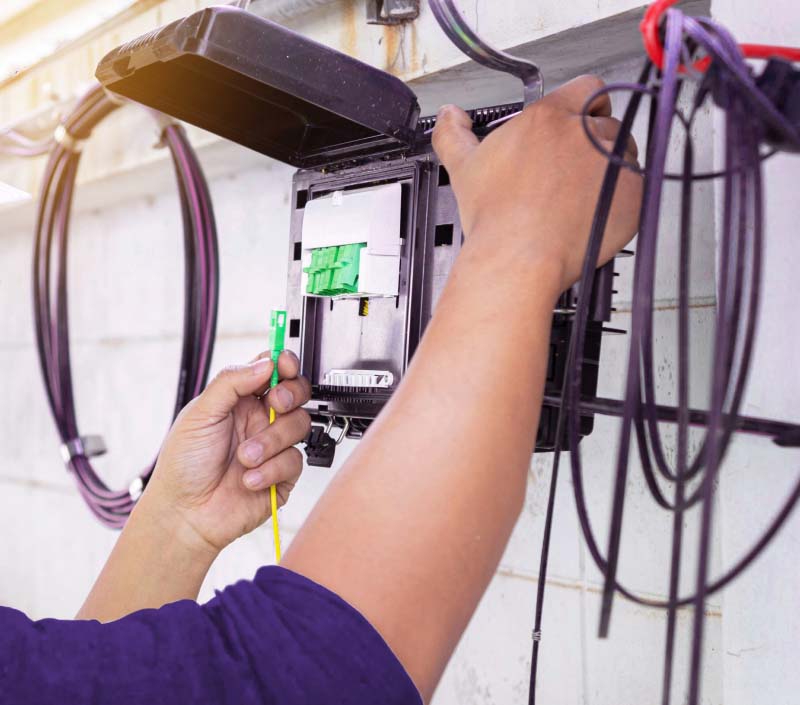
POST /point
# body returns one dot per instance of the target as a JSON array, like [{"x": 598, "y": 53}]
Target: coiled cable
[{"x": 50, "y": 294}]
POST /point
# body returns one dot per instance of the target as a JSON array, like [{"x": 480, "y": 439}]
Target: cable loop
[{"x": 50, "y": 294}]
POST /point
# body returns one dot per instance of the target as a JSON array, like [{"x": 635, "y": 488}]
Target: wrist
[
  {"x": 516, "y": 261},
  {"x": 155, "y": 561},
  {"x": 178, "y": 536}
]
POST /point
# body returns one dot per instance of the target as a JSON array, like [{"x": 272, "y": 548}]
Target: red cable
[{"x": 650, "y": 30}]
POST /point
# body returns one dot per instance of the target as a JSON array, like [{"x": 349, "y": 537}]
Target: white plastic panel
[{"x": 368, "y": 215}]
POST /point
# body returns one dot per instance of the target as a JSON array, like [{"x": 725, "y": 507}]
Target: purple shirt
[{"x": 280, "y": 638}]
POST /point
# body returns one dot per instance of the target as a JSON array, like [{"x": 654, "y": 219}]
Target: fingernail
[
  {"x": 253, "y": 479},
  {"x": 261, "y": 367},
  {"x": 252, "y": 451},
  {"x": 290, "y": 353},
  {"x": 285, "y": 397}
]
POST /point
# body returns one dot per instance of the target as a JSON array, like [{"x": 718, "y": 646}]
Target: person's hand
[
  {"x": 532, "y": 184},
  {"x": 221, "y": 455}
]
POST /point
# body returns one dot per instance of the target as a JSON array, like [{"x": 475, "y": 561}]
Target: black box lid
[{"x": 263, "y": 86}]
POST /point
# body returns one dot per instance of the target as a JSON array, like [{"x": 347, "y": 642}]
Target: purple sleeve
[{"x": 280, "y": 638}]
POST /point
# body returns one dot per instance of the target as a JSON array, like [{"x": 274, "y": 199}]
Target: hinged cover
[{"x": 259, "y": 84}]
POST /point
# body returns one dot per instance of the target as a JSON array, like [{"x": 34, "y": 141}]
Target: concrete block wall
[{"x": 126, "y": 307}]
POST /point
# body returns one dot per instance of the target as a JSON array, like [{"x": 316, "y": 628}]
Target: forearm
[
  {"x": 153, "y": 563},
  {"x": 199, "y": 499},
  {"x": 413, "y": 527}
]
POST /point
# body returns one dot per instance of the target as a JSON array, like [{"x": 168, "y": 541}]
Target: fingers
[
  {"x": 607, "y": 130},
  {"x": 231, "y": 385},
  {"x": 453, "y": 139},
  {"x": 289, "y": 394},
  {"x": 288, "y": 367},
  {"x": 283, "y": 468},
  {"x": 288, "y": 429},
  {"x": 572, "y": 96}
]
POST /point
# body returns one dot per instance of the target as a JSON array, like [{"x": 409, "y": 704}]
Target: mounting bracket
[{"x": 392, "y": 11}]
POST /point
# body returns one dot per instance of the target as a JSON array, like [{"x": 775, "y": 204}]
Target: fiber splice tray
[{"x": 374, "y": 227}]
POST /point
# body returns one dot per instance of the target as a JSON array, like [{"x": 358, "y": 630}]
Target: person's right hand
[
  {"x": 533, "y": 183},
  {"x": 222, "y": 454}
]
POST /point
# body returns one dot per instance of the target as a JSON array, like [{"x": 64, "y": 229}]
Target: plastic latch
[{"x": 320, "y": 448}]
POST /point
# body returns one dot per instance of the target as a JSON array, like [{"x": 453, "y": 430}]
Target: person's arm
[
  {"x": 201, "y": 497},
  {"x": 156, "y": 560},
  {"x": 413, "y": 527},
  {"x": 276, "y": 638}
]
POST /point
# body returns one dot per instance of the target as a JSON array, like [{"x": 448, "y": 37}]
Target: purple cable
[
  {"x": 750, "y": 118},
  {"x": 202, "y": 215},
  {"x": 112, "y": 507}
]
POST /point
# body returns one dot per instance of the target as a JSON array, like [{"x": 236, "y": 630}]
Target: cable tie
[
  {"x": 67, "y": 140},
  {"x": 136, "y": 488},
  {"x": 84, "y": 446}
]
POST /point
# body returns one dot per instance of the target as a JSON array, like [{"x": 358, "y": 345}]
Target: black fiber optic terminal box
[{"x": 374, "y": 227}]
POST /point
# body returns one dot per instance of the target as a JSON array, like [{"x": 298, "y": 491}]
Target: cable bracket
[
  {"x": 163, "y": 122},
  {"x": 84, "y": 447}
]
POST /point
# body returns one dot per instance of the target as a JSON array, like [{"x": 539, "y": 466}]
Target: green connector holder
[
  {"x": 334, "y": 270},
  {"x": 277, "y": 338}
]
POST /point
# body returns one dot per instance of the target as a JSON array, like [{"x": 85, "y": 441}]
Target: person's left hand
[{"x": 222, "y": 455}]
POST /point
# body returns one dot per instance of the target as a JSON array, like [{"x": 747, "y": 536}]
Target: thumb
[
  {"x": 453, "y": 138},
  {"x": 232, "y": 384}
]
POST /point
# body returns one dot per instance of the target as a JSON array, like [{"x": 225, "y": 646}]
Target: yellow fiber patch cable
[{"x": 277, "y": 335}]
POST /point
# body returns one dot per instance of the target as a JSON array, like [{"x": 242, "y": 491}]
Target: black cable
[
  {"x": 576, "y": 344},
  {"x": 750, "y": 117},
  {"x": 50, "y": 293}
]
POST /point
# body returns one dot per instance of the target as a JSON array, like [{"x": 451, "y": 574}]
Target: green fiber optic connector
[
  {"x": 334, "y": 270},
  {"x": 277, "y": 338}
]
